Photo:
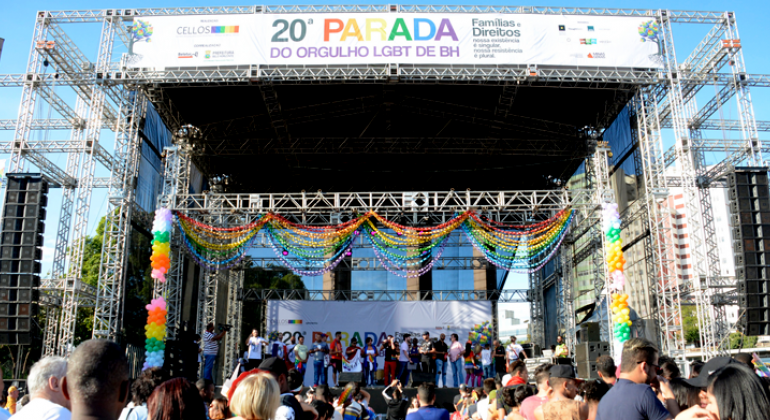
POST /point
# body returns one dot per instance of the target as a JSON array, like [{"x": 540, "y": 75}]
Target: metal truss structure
[
  {"x": 501, "y": 296},
  {"x": 109, "y": 96}
]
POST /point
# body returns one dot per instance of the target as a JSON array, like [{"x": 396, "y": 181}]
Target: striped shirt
[{"x": 210, "y": 346}]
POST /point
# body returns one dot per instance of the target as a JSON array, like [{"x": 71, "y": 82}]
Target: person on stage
[
  {"x": 390, "y": 347},
  {"x": 513, "y": 352},
  {"x": 456, "y": 359},
  {"x": 352, "y": 351},
  {"x": 254, "y": 346},
  {"x": 440, "y": 358},
  {"x": 403, "y": 360},
  {"x": 561, "y": 348},
  {"x": 426, "y": 354},
  {"x": 300, "y": 357},
  {"x": 336, "y": 356},
  {"x": 370, "y": 361},
  {"x": 498, "y": 352},
  {"x": 319, "y": 351}
]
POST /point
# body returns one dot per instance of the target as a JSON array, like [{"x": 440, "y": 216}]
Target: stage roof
[{"x": 393, "y": 137}]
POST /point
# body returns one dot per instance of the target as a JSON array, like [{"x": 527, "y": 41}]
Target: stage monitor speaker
[
  {"x": 587, "y": 370},
  {"x": 419, "y": 378},
  {"x": 590, "y": 351},
  {"x": 589, "y": 331},
  {"x": 528, "y": 350},
  {"x": 749, "y": 197},
  {"x": 346, "y": 377}
]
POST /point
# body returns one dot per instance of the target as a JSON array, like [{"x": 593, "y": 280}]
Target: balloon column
[
  {"x": 155, "y": 331},
  {"x": 615, "y": 261},
  {"x": 480, "y": 334}
]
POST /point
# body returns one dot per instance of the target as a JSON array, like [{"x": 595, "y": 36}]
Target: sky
[{"x": 17, "y": 20}]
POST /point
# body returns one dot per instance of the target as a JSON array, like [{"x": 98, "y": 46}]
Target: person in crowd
[
  {"x": 668, "y": 368},
  {"x": 482, "y": 406},
  {"x": 294, "y": 379},
  {"x": 96, "y": 383},
  {"x": 323, "y": 396},
  {"x": 686, "y": 395},
  {"x": 414, "y": 405},
  {"x": 470, "y": 364},
  {"x": 519, "y": 373},
  {"x": 319, "y": 350},
  {"x": 513, "y": 352},
  {"x": 606, "y": 368},
  {"x": 301, "y": 356},
  {"x": 461, "y": 393},
  {"x": 175, "y": 399},
  {"x": 455, "y": 354},
  {"x": 478, "y": 395},
  {"x": 290, "y": 408},
  {"x": 44, "y": 384},
  {"x": 486, "y": 361},
  {"x": 365, "y": 404},
  {"x": 206, "y": 391},
  {"x": 325, "y": 411},
  {"x": 561, "y": 349},
  {"x": 13, "y": 396},
  {"x": 256, "y": 397},
  {"x": 695, "y": 368},
  {"x": 336, "y": 356},
  {"x": 4, "y": 414},
  {"x": 426, "y": 393},
  {"x": 347, "y": 405},
  {"x": 403, "y": 360},
  {"x": 528, "y": 406},
  {"x": 141, "y": 389},
  {"x": 561, "y": 403},
  {"x": 397, "y": 404},
  {"x": 219, "y": 410},
  {"x": 370, "y": 361},
  {"x": 746, "y": 359},
  {"x": 210, "y": 349},
  {"x": 736, "y": 393},
  {"x": 24, "y": 401},
  {"x": 701, "y": 381},
  {"x": 390, "y": 348},
  {"x": 592, "y": 392},
  {"x": 254, "y": 345},
  {"x": 520, "y": 394},
  {"x": 498, "y": 353},
  {"x": 632, "y": 396},
  {"x": 440, "y": 359},
  {"x": 426, "y": 354}
]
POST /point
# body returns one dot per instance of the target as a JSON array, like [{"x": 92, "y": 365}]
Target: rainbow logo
[
  {"x": 295, "y": 321},
  {"x": 224, "y": 29}
]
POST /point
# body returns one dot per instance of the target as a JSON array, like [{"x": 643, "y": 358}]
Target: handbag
[{"x": 411, "y": 366}]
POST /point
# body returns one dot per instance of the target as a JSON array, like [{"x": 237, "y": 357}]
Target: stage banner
[
  {"x": 402, "y": 38},
  {"x": 377, "y": 320}
]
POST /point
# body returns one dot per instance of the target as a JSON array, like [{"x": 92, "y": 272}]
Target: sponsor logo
[
  {"x": 588, "y": 41},
  {"x": 187, "y": 54},
  {"x": 205, "y": 30},
  {"x": 562, "y": 28},
  {"x": 596, "y": 55},
  {"x": 290, "y": 321},
  {"x": 207, "y": 55},
  {"x": 141, "y": 31},
  {"x": 439, "y": 328},
  {"x": 590, "y": 28}
]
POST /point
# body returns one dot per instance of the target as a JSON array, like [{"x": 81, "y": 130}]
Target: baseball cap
[
  {"x": 12, "y": 388},
  {"x": 463, "y": 387},
  {"x": 702, "y": 381},
  {"x": 562, "y": 371},
  {"x": 275, "y": 366},
  {"x": 426, "y": 333}
]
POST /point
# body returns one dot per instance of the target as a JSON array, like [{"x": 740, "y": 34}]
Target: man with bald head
[{"x": 97, "y": 381}]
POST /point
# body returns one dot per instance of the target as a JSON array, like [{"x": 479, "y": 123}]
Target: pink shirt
[
  {"x": 528, "y": 406},
  {"x": 455, "y": 351}
]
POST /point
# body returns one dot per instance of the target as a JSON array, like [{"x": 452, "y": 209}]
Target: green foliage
[
  {"x": 740, "y": 341},
  {"x": 690, "y": 325}
]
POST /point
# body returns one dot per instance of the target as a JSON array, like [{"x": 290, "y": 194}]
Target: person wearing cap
[
  {"x": 290, "y": 408},
  {"x": 632, "y": 397},
  {"x": 13, "y": 395},
  {"x": 701, "y": 381},
  {"x": 562, "y": 404},
  {"x": 426, "y": 354}
]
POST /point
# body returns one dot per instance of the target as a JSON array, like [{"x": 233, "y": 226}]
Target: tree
[
  {"x": 690, "y": 325},
  {"x": 740, "y": 341}
]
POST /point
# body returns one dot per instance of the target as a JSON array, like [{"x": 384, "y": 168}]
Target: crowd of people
[
  {"x": 94, "y": 385},
  {"x": 469, "y": 364}
]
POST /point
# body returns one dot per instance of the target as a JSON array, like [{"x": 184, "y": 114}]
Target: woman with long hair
[
  {"x": 370, "y": 361},
  {"x": 256, "y": 397},
  {"x": 176, "y": 399},
  {"x": 736, "y": 393},
  {"x": 218, "y": 410},
  {"x": 413, "y": 406}
]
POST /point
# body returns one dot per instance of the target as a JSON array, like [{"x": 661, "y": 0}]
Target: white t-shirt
[
  {"x": 404, "y": 349},
  {"x": 255, "y": 347},
  {"x": 513, "y": 352},
  {"x": 486, "y": 357},
  {"x": 482, "y": 407},
  {"x": 42, "y": 409},
  {"x": 506, "y": 378}
]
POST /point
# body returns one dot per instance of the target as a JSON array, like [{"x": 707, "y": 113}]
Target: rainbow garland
[
  {"x": 404, "y": 251},
  {"x": 615, "y": 261},
  {"x": 155, "y": 330}
]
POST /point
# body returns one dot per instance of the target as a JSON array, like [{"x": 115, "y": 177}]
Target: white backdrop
[
  {"x": 404, "y": 38},
  {"x": 374, "y": 319}
]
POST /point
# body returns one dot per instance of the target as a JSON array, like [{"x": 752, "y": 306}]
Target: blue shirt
[
  {"x": 628, "y": 400},
  {"x": 429, "y": 413},
  {"x": 319, "y": 355}
]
